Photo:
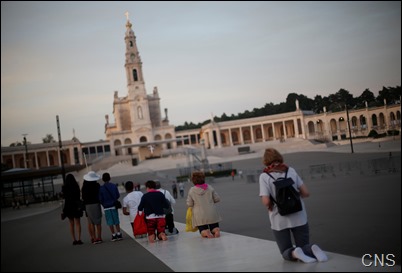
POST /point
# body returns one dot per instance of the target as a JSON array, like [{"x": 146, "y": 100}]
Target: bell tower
[
  {"x": 137, "y": 95},
  {"x": 137, "y": 115},
  {"x": 133, "y": 64}
]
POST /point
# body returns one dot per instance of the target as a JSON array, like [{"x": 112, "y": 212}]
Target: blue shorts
[{"x": 112, "y": 217}]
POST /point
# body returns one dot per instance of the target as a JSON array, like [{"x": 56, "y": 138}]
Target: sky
[{"x": 66, "y": 59}]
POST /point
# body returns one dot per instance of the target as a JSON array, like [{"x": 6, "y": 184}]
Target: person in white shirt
[
  {"x": 131, "y": 201},
  {"x": 181, "y": 189},
  {"x": 293, "y": 225}
]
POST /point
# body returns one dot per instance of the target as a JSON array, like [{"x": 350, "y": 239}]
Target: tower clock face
[{"x": 132, "y": 56}]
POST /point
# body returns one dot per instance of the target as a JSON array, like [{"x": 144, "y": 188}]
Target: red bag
[{"x": 140, "y": 226}]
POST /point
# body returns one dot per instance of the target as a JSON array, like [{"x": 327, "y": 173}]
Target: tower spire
[
  {"x": 128, "y": 24},
  {"x": 133, "y": 64}
]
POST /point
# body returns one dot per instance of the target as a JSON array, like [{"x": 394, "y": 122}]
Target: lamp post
[
  {"x": 203, "y": 155},
  {"x": 350, "y": 131},
  {"x": 85, "y": 160},
  {"x": 26, "y": 150},
  {"x": 63, "y": 173}
]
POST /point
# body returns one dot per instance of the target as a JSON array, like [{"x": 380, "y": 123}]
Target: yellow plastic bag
[{"x": 189, "y": 221}]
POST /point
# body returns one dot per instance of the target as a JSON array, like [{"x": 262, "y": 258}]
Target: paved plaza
[{"x": 354, "y": 209}]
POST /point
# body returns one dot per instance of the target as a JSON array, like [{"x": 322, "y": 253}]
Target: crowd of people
[{"x": 291, "y": 231}]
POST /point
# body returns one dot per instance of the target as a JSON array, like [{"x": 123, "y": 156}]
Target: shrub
[
  {"x": 393, "y": 132},
  {"x": 373, "y": 133},
  {"x": 381, "y": 135}
]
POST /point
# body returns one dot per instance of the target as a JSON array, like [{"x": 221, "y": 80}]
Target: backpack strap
[
  {"x": 270, "y": 196},
  {"x": 271, "y": 176},
  {"x": 286, "y": 174}
]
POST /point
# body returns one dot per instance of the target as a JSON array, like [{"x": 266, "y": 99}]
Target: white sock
[
  {"x": 319, "y": 254},
  {"x": 299, "y": 254}
]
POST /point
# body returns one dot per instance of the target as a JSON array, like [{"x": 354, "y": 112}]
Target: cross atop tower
[{"x": 126, "y": 14}]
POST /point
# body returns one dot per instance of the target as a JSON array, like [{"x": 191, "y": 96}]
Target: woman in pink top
[{"x": 202, "y": 198}]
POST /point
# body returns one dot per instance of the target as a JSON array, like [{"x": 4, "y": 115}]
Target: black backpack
[{"x": 287, "y": 197}]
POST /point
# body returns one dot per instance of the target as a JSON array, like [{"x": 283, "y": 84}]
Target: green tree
[
  {"x": 290, "y": 102},
  {"x": 304, "y": 102},
  {"x": 391, "y": 94},
  {"x": 318, "y": 104},
  {"x": 339, "y": 99},
  {"x": 333, "y": 103},
  {"x": 48, "y": 139},
  {"x": 224, "y": 117},
  {"x": 17, "y": 143},
  {"x": 269, "y": 109},
  {"x": 366, "y": 96}
]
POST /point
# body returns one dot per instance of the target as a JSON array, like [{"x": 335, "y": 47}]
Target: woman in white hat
[{"x": 90, "y": 195}]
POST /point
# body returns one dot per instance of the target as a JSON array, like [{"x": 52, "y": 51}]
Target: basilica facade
[{"x": 139, "y": 128}]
